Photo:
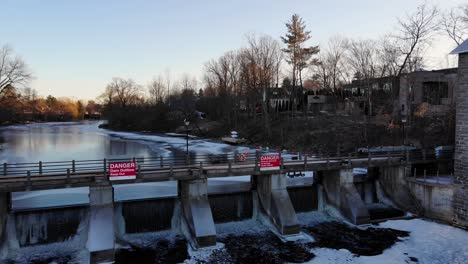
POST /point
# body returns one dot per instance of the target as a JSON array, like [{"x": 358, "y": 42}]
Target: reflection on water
[{"x": 65, "y": 141}]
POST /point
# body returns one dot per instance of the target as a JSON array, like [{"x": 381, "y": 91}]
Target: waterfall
[
  {"x": 304, "y": 199},
  {"x": 231, "y": 207},
  {"x": 148, "y": 216},
  {"x": 48, "y": 225}
]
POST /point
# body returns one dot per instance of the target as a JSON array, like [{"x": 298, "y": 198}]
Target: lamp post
[
  {"x": 403, "y": 122},
  {"x": 186, "y": 123}
]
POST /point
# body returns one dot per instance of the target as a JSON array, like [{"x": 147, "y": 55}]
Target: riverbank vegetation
[
  {"x": 266, "y": 90},
  {"x": 20, "y": 103}
]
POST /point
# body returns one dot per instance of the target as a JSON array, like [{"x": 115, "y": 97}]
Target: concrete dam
[{"x": 389, "y": 186}]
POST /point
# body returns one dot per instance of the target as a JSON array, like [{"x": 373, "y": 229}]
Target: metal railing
[{"x": 74, "y": 167}]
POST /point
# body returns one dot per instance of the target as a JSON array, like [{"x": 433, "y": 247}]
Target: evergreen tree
[{"x": 299, "y": 56}]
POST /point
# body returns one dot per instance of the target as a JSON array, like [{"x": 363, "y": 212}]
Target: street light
[
  {"x": 403, "y": 122},
  {"x": 187, "y": 123}
]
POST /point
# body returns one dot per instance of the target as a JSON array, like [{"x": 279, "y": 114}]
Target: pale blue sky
[{"x": 75, "y": 47}]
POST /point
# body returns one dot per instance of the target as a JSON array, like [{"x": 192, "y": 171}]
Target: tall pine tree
[{"x": 298, "y": 55}]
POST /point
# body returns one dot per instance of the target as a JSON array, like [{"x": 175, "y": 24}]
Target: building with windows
[{"x": 435, "y": 89}]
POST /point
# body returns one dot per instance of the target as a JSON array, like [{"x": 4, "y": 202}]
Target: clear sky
[{"x": 75, "y": 47}]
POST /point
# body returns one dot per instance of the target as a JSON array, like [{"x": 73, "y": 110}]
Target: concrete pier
[
  {"x": 276, "y": 203},
  {"x": 101, "y": 235},
  {"x": 341, "y": 192},
  {"x": 197, "y": 212},
  {"x": 4, "y": 208}
]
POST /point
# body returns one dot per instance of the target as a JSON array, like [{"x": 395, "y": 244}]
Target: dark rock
[{"x": 367, "y": 242}]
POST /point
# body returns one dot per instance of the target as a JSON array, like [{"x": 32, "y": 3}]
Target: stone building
[{"x": 460, "y": 203}]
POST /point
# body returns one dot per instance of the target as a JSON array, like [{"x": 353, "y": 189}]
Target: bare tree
[
  {"x": 455, "y": 23},
  {"x": 415, "y": 31},
  {"x": 331, "y": 70},
  {"x": 123, "y": 92},
  {"x": 224, "y": 72},
  {"x": 187, "y": 82},
  {"x": 260, "y": 65},
  {"x": 388, "y": 56},
  {"x": 168, "y": 81},
  {"x": 363, "y": 58},
  {"x": 13, "y": 70},
  {"x": 157, "y": 90}
]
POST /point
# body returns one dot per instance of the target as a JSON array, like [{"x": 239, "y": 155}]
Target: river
[{"x": 86, "y": 141}]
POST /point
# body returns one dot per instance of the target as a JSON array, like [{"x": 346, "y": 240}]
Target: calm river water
[{"x": 85, "y": 141}]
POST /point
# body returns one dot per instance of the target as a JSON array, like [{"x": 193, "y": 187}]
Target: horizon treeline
[{"x": 236, "y": 87}]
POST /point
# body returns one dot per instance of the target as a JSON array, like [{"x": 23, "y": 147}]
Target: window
[{"x": 433, "y": 92}]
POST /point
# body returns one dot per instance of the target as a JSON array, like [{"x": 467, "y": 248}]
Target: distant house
[
  {"x": 404, "y": 94},
  {"x": 435, "y": 88}
]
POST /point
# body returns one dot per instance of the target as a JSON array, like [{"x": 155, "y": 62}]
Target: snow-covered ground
[{"x": 429, "y": 242}]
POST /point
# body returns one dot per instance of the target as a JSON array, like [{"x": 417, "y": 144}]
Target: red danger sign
[
  {"x": 270, "y": 162},
  {"x": 122, "y": 171}
]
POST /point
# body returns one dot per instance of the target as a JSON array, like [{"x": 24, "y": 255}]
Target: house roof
[{"x": 463, "y": 48}]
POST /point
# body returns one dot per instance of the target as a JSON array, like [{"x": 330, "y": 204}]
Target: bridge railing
[{"x": 196, "y": 160}]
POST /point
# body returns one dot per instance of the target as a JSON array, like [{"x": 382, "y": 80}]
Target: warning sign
[
  {"x": 122, "y": 171},
  {"x": 270, "y": 162}
]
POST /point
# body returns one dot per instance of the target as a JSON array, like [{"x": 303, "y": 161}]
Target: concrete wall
[
  {"x": 393, "y": 181},
  {"x": 461, "y": 145},
  {"x": 436, "y": 199}
]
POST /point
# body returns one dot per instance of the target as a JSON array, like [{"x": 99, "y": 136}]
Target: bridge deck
[{"x": 53, "y": 175}]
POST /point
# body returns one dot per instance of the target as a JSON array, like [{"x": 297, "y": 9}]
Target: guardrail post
[
  {"x": 282, "y": 163},
  {"x": 73, "y": 166},
  {"x": 171, "y": 173},
  {"x": 105, "y": 167},
  {"x": 68, "y": 177},
  {"x": 256, "y": 160},
  {"x": 229, "y": 167},
  {"x": 369, "y": 158},
  {"x": 349, "y": 159},
  {"x": 29, "y": 180},
  {"x": 134, "y": 160},
  {"x": 424, "y": 154},
  {"x": 5, "y": 169},
  {"x": 328, "y": 160},
  {"x": 437, "y": 175},
  {"x": 407, "y": 156},
  {"x": 139, "y": 171},
  {"x": 40, "y": 167},
  {"x": 424, "y": 175},
  {"x": 201, "y": 168},
  {"x": 305, "y": 162}
]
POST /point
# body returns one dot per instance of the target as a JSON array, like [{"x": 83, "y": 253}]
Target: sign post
[
  {"x": 270, "y": 162},
  {"x": 122, "y": 171}
]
